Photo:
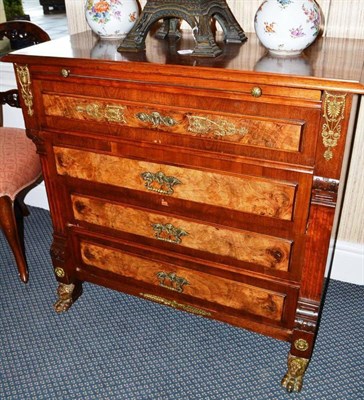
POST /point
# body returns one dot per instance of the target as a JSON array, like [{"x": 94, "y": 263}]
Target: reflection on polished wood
[{"x": 330, "y": 58}]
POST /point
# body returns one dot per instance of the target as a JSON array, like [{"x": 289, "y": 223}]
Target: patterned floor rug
[{"x": 114, "y": 346}]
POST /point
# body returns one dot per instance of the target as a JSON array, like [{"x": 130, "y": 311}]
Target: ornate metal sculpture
[{"x": 197, "y": 13}]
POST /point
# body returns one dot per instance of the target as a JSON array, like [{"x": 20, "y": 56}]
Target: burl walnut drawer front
[
  {"x": 231, "y": 126},
  {"x": 249, "y": 247},
  {"x": 255, "y": 195},
  {"x": 213, "y": 289},
  {"x": 253, "y": 131}
]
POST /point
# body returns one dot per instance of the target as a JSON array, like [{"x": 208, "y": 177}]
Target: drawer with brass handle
[
  {"x": 189, "y": 236},
  {"x": 245, "y": 297},
  {"x": 227, "y": 132},
  {"x": 261, "y": 196}
]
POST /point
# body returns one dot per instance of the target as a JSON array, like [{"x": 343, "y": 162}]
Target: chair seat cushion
[{"x": 19, "y": 162}]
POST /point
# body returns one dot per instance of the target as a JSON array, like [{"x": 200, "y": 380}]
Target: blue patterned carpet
[{"x": 113, "y": 346}]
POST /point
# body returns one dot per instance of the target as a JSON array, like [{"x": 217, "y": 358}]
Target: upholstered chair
[{"x": 20, "y": 168}]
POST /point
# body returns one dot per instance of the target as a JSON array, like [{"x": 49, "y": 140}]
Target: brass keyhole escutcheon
[
  {"x": 65, "y": 72},
  {"x": 256, "y": 91}
]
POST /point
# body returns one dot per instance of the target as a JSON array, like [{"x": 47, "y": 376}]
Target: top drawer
[{"x": 275, "y": 128}]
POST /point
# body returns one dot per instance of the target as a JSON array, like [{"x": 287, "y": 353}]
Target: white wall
[{"x": 2, "y": 12}]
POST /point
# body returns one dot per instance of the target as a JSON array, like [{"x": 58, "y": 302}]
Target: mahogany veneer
[{"x": 209, "y": 185}]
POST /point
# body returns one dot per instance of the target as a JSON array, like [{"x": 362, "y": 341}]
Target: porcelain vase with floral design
[
  {"x": 111, "y": 19},
  {"x": 287, "y": 27}
]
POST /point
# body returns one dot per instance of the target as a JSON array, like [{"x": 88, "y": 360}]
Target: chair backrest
[{"x": 21, "y": 34}]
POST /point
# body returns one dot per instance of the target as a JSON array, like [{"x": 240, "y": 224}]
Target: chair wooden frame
[{"x": 13, "y": 211}]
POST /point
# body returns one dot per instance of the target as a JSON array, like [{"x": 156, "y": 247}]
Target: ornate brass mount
[
  {"x": 334, "y": 107},
  {"x": 171, "y": 281},
  {"x": 108, "y": 112},
  {"x": 164, "y": 183},
  {"x": 301, "y": 344},
  {"x": 175, "y": 304},
  {"x": 197, "y": 13},
  {"x": 218, "y": 128},
  {"x": 293, "y": 380},
  {"x": 168, "y": 233},
  {"x": 23, "y": 75},
  {"x": 59, "y": 272},
  {"x": 155, "y": 119},
  {"x": 67, "y": 295}
]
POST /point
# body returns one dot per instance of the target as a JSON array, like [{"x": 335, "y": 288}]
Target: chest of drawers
[{"x": 204, "y": 185}]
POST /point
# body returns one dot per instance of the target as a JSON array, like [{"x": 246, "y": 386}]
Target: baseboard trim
[
  {"x": 348, "y": 263},
  {"x": 37, "y": 197}
]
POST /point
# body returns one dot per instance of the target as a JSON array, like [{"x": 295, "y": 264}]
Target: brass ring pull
[
  {"x": 256, "y": 91},
  {"x": 65, "y": 72}
]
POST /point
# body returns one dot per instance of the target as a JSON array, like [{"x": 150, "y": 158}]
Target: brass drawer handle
[
  {"x": 156, "y": 119},
  {"x": 256, "y": 91},
  {"x": 168, "y": 233},
  {"x": 65, "y": 72},
  {"x": 159, "y": 182},
  {"x": 171, "y": 281}
]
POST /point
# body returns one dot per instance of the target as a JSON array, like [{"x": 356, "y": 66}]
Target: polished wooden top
[{"x": 330, "y": 63}]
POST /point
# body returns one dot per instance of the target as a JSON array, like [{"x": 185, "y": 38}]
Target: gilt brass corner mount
[
  {"x": 23, "y": 75},
  {"x": 197, "y": 13},
  {"x": 333, "y": 114}
]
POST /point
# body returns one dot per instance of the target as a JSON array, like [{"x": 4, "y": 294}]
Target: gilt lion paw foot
[
  {"x": 293, "y": 380},
  {"x": 65, "y": 297}
]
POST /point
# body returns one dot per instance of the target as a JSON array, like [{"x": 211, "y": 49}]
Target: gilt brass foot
[
  {"x": 67, "y": 295},
  {"x": 293, "y": 380}
]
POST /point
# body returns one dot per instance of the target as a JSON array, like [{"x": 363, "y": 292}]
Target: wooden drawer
[
  {"x": 220, "y": 123},
  {"x": 184, "y": 235},
  {"x": 279, "y": 134},
  {"x": 249, "y": 194},
  {"x": 161, "y": 277}
]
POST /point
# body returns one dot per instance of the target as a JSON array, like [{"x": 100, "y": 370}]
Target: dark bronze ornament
[{"x": 197, "y": 13}]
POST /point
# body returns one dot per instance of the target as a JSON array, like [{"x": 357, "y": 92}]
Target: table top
[{"x": 330, "y": 63}]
